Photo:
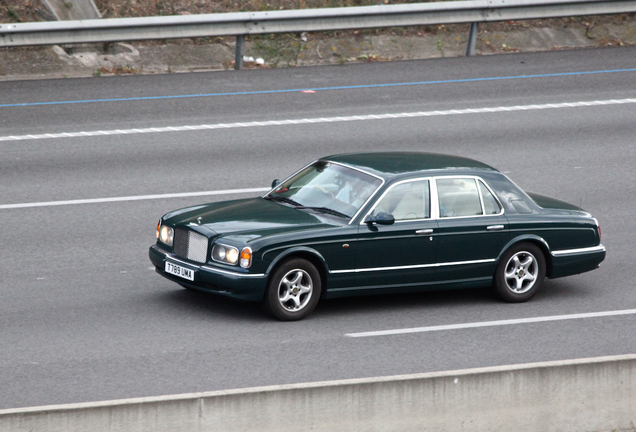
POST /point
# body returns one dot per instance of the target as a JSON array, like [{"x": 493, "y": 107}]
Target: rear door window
[{"x": 458, "y": 197}]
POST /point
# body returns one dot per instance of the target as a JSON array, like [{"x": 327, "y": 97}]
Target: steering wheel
[{"x": 321, "y": 189}]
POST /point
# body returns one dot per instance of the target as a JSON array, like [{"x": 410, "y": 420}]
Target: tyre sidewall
[
  {"x": 499, "y": 281},
  {"x": 271, "y": 302}
]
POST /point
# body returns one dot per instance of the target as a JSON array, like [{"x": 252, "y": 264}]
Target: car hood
[{"x": 252, "y": 217}]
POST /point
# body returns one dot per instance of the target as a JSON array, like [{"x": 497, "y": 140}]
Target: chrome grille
[
  {"x": 190, "y": 245},
  {"x": 197, "y": 247},
  {"x": 181, "y": 242}
]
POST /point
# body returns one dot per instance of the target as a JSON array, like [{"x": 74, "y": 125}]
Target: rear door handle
[
  {"x": 495, "y": 227},
  {"x": 424, "y": 231}
]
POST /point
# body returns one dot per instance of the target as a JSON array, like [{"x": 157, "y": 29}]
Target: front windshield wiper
[
  {"x": 302, "y": 207},
  {"x": 325, "y": 210},
  {"x": 283, "y": 199}
]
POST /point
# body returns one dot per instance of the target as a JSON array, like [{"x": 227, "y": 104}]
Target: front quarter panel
[{"x": 332, "y": 248}]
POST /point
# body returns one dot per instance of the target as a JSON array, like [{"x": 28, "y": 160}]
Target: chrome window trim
[
  {"x": 382, "y": 181},
  {"x": 434, "y": 197},
  {"x": 409, "y": 267},
  {"x": 579, "y": 251},
  {"x": 296, "y": 172},
  {"x": 494, "y": 195},
  {"x": 430, "y": 191},
  {"x": 477, "y": 179}
]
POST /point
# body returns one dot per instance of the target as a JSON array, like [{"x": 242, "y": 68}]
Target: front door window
[{"x": 406, "y": 201}]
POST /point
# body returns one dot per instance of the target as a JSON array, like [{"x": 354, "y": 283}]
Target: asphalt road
[{"x": 84, "y": 318}]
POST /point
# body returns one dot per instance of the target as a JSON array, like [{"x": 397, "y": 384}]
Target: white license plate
[{"x": 177, "y": 270}]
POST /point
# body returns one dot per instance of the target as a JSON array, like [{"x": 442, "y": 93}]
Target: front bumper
[{"x": 207, "y": 278}]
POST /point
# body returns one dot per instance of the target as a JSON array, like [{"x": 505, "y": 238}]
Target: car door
[
  {"x": 401, "y": 254},
  {"x": 472, "y": 229}
]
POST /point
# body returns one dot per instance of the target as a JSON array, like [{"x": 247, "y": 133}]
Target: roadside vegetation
[
  {"x": 33, "y": 10},
  {"x": 341, "y": 46}
]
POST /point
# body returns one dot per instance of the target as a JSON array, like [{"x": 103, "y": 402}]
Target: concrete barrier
[
  {"x": 72, "y": 10},
  {"x": 578, "y": 395}
]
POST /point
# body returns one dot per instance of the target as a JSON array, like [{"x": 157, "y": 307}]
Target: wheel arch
[
  {"x": 537, "y": 241},
  {"x": 309, "y": 254}
]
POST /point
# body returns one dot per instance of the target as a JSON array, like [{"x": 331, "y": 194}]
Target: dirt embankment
[{"x": 290, "y": 49}]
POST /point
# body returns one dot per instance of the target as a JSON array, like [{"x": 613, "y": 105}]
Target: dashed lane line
[
  {"x": 131, "y": 198},
  {"x": 491, "y": 323},
  {"x": 188, "y": 128}
]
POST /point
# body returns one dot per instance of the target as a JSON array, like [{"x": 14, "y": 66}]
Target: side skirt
[{"x": 480, "y": 282}]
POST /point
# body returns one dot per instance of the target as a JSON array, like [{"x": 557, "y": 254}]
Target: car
[{"x": 377, "y": 223}]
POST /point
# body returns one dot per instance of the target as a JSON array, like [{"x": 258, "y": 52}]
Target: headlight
[
  {"x": 166, "y": 235},
  {"x": 225, "y": 254}
]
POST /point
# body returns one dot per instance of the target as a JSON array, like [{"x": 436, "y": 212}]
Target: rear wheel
[
  {"x": 520, "y": 273},
  {"x": 293, "y": 291}
]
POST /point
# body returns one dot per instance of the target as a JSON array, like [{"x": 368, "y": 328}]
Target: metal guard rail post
[{"x": 303, "y": 20}]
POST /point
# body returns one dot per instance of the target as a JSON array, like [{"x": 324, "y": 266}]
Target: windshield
[{"x": 327, "y": 186}]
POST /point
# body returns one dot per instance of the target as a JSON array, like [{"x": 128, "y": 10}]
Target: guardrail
[
  {"x": 576, "y": 395},
  {"x": 302, "y": 20}
]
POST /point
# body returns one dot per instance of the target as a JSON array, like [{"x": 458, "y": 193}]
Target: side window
[
  {"x": 407, "y": 201},
  {"x": 458, "y": 197},
  {"x": 491, "y": 205}
]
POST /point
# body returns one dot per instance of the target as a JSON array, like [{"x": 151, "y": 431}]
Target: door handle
[
  {"x": 495, "y": 227},
  {"x": 424, "y": 231}
]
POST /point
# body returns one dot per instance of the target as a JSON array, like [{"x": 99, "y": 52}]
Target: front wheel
[
  {"x": 293, "y": 291},
  {"x": 520, "y": 273}
]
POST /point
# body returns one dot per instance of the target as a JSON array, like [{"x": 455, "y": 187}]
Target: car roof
[{"x": 391, "y": 164}]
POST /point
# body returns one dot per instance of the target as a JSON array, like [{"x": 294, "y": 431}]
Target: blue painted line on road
[{"x": 367, "y": 86}]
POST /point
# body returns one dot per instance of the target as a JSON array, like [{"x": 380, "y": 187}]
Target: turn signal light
[{"x": 246, "y": 257}]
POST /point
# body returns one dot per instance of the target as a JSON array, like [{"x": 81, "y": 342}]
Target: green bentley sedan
[{"x": 377, "y": 223}]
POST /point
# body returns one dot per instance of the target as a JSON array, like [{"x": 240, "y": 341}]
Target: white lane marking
[
  {"x": 132, "y": 198},
  {"x": 317, "y": 120},
  {"x": 492, "y": 323}
]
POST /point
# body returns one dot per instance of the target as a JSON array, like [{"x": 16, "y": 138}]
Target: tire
[
  {"x": 293, "y": 290},
  {"x": 520, "y": 273}
]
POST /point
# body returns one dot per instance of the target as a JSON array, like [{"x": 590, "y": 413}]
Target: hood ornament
[{"x": 199, "y": 219}]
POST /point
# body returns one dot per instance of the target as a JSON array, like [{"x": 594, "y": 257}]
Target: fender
[
  {"x": 294, "y": 250},
  {"x": 535, "y": 238},
  {"x": 521, "y": 238}
]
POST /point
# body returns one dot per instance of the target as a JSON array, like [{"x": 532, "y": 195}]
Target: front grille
[
  {"x": 191, "y": 245},
  {"x": 181, "y": 242},
  {"x": 197, "y": 247}
]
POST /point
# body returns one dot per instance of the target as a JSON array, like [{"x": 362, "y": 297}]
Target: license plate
[{"x": 177, "y": 270}]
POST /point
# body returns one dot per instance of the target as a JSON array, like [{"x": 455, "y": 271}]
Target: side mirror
[
  {"x": 275, "y": 183},
  {"x": 381, "y": 218}
]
